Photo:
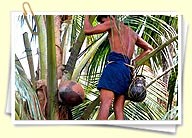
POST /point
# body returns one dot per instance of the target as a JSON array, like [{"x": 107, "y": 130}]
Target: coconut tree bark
[
  {"x": 57, "y": 26},
  {"x": 63, "y": 112}
]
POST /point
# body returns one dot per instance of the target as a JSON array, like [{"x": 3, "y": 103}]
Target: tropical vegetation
[{"x": 66, "y": 53}]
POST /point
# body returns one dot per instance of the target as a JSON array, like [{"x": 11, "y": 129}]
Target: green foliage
[
  {"x": 157, "y": 30},
  {"x": 172, "y": 88},
  {"x": 26, "y": 101}
]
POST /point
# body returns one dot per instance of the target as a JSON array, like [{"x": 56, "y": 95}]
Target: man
[{"x": 116, "y": 77}]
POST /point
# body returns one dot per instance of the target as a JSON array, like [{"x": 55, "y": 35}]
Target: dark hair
[{"x": 99, "y": 17}]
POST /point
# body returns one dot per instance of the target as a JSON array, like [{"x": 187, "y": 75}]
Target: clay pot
[{"x": 137, "y": 91}]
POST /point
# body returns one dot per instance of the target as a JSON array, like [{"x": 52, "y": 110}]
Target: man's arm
[
  {"x": 100, "y": 28},
  {"x": 145, "y": 46}
]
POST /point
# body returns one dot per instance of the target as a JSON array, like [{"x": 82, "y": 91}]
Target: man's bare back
[{"x": 122, "y": 39}]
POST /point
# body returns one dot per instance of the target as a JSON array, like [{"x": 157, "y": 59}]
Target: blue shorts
[{"x": 116, "y": 75}]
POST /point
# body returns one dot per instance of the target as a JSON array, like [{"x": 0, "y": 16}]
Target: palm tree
[{"x": 86, "y": 61}]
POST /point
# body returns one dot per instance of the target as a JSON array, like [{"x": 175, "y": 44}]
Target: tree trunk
[
  {"x": 57, "y": 26},
  {"x": 63, "y": 111}
]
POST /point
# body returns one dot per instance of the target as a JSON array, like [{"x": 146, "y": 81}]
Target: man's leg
[
  {"x": 119, "y": 106},
  {"x": 106, "y": 97}
]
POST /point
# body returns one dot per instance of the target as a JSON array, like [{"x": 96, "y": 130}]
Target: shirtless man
[{"x": 116, "y": 76}]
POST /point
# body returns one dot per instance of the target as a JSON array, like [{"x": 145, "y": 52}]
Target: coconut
[{"x": 71, "y": 93}]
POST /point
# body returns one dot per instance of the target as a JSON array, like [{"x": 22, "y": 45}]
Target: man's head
[{"x": 103, "y": 18}]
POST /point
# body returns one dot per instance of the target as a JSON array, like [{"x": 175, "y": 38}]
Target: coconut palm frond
[
  {"x": 31, "y": 22},
  {"x": 172, "y": 114},
  {"x": 27, "y": 103},
  {"x": 88, "y": 55},
  {"x": 87, "y": 58},
  {"x": 77, "y": 26},
  {"x": 154, "y": 107}
]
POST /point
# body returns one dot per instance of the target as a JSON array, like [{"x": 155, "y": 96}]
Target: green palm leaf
[
  {"x": 150, "y": 109},
  {"x": 87, "y": 60}
]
